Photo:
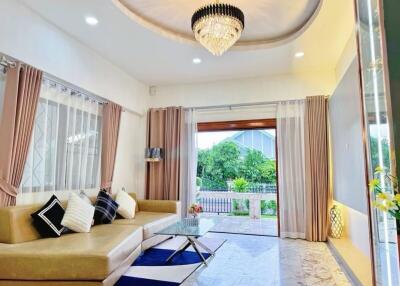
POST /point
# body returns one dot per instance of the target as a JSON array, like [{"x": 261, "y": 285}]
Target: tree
[
  {"x": 250, "y": 167},
  {"x": 224, "y": 162},
  {"x": 218, "y": 164},
  {"x": 203, "y": 160},
  {"x": 268, "y": 171}
]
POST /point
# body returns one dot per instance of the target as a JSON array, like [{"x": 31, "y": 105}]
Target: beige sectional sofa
[{"x": 96, "y": 258}]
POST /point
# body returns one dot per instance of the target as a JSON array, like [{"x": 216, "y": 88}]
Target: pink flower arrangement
[{"x": 195, "y": 209}]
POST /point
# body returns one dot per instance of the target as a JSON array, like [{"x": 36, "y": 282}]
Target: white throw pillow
[
  {"x": 127, "y": 205},
  {"x": 85, "y": 197},
  {"x": 78, "y": 216}
]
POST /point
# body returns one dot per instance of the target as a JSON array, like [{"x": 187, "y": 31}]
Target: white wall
[
  {"x": 29, "y": 38},
  {"x": 347, "y": 57},
  {"x": 280, "y": 87},
  {"x": 347, "y": 142},
  {"x": 129, "y": 165},
  {"x": 348, "y": 162}
]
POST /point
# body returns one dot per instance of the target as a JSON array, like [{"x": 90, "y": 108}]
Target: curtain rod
[
  {"x": 6, "y": 63},
  {"x": 250, "y": 104},
  {"x": 230, "y": 106},
  {"x": 73, "y": 88},
  {"x": 9, "y": 62},
  {"x": 89, "y": 94}
]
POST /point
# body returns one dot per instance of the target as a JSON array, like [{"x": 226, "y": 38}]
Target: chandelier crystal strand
[{"x": 218, "y": 26}]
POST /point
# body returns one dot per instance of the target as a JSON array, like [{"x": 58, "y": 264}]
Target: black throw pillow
[
  {"x": 105, "y": 208},
  {"x": 47, "y": 220}
]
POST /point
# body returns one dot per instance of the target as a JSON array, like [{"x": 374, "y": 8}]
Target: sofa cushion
[
  {"x": 127, "y": 205},
  {"x": 16, "y": 222},
  {"x": 47, "y": 220},
  {"x": 78, "y": 215},
  {"x": 105, "y": 208},
  {"x": 76, "y": 256},
  {"x": 151, "y": 222}
]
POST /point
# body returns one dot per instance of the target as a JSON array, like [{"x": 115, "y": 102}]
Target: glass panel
[
  {"x": 189, "y": 227},
  {"x": 378, "y": 131}
]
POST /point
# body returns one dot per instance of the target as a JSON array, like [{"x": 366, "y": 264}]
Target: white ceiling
[
  {"x": 157, "y": 60},
  {"x": 266, "y": 21}
]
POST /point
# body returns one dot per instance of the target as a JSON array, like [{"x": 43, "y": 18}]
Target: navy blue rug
[{"x": 151, "y": 268}]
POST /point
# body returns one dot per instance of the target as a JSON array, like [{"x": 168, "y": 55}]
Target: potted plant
[{"x": 386, "y": 201}]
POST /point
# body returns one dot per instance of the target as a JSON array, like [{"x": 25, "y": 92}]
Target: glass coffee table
[{"x": 192, "y": 229}]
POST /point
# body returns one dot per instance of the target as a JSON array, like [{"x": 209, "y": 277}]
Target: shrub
[
  {"x": 240, "y": 185},
  {"x": 268, "y": 207}
]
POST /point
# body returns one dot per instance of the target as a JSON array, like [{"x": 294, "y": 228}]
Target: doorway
[{"x": 237, "y": 177}]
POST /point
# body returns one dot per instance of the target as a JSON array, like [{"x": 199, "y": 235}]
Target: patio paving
[{"x": 243, "y": 225}]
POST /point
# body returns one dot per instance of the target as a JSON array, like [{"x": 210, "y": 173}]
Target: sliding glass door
[{"x": 237, "y": 176}]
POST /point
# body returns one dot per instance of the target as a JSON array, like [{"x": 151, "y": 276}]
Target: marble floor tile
[{"x": 247, "y": 260}]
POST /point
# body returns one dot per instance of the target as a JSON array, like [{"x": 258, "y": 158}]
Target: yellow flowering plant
[{"x": 385, "y": 201}]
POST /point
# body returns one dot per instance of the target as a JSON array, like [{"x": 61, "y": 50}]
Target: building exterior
[{"x": 255, "y": 139}]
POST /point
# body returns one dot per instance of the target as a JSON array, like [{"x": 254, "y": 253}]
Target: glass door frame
[{"x": 252, "y": 124}]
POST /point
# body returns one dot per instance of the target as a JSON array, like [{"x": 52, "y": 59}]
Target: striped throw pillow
[
  {"x": 105, "y": 208},
  {"x": 78, "y": 215}
]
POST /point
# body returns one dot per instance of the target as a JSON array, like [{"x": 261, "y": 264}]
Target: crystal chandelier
[{"x": 218, "y": 26}]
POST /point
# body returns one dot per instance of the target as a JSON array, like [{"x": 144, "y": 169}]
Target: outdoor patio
[
  {"x": 255, "y": 220},
  {"x": 243, "y": 224}
]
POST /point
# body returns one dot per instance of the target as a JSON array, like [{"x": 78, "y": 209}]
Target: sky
[{"x": 206, "y": 140}]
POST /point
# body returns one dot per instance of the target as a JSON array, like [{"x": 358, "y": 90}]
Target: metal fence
[
  {"x": 216, "y": 205},
  {"x": 219, "y": 205},
  {"x": 264, "y": 188}
]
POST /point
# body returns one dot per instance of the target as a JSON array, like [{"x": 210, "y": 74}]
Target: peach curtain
[
  {"x": 111, "y": 122},
  {"x": 21, "y": 97},
  {"x": 164, "y": 129},
  {"x": 316, "y": 168}
]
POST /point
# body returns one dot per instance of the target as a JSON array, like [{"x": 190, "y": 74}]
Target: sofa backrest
[{"x": 16, "y": 223}]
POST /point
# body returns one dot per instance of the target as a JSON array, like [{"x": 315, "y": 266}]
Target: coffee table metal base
[{"x": 194, "y": 242}]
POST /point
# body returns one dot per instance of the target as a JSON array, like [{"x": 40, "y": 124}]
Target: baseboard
[{"x": 345, "y": 264}]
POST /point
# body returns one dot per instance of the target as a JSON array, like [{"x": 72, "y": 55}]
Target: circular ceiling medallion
[{"x": 268, "y": 22}]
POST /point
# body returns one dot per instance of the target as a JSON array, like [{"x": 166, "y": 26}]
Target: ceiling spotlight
[
  {"x": 196, "y": 61},
  {"x": 92, "y": 21},
  {"x": 299, "y": 55}
]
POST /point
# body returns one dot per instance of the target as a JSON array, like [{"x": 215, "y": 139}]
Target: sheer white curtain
[
  {"x": 65, "y": 148},
  {"x": 188, "y": 161},
  {"x": 291, "y": 165}
]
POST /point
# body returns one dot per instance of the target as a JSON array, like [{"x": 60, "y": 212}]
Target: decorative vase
[{"x": 336, "y": 221}]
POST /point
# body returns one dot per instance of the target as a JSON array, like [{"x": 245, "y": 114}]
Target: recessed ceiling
[
  {"x": 267, "y": 22},
  {"x": 158, "y": 60}
]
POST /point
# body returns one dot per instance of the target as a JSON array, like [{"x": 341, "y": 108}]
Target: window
[{"x": 65, "y": 147}]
